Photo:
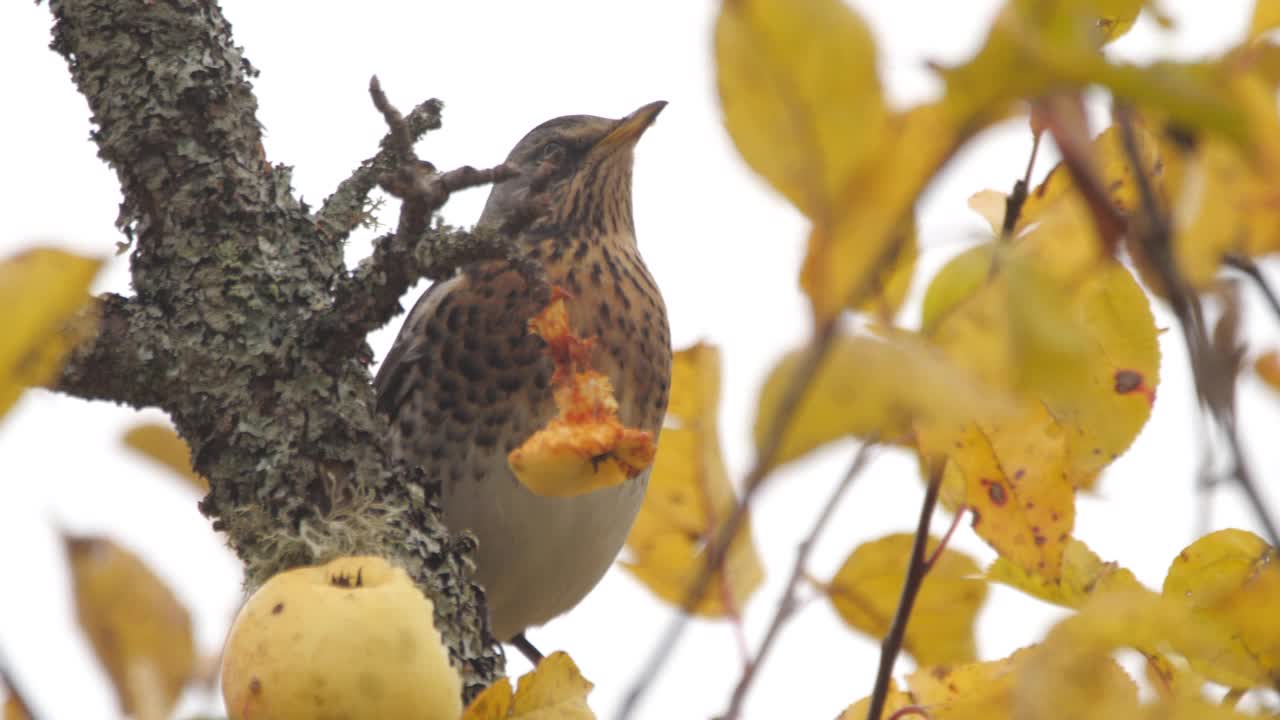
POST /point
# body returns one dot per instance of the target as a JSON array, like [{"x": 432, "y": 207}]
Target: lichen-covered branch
[
  {"x": 365, "y": 299},
  {"x": 124, "y": 363},
  {"x": 344, "y": 210},
  {"x": 232, "y": 277}
]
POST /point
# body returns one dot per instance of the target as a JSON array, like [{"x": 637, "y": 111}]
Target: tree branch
[
  {"x": 367, "y": 298},
  {"x": 916, "y": 571},
  {"x": 344, "y": 210},
  {"x": 1213, "y": 371},
  {"x": 718, "y": 546},
  {"x": 787, "y": 603},
  {"x": 232, "y": 275},
  {"x": 123, "y": 362}
]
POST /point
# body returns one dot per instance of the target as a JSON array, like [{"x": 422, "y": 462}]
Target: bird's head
[{"x": 581, "y": 164}]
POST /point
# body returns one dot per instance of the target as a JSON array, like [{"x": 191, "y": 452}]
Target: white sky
[{"x": 723, "y": 247}]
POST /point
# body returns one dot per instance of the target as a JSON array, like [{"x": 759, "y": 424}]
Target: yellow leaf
[
  {"x": 1230, "y": 580},
  {"x": 689, "y": 497},
  {"x": 1067, "y": 670},
  {"x": 894, "y": 701},
  {"x": 1116, "y": 17},
  {"x": 960, "y": 278},
  {"x": 1267, "y": 367},
  {"x": 41, "y": 291},
  {"x": 1037, "y": 47},
  {"x": 866, "y": 590},
  {"x": 1050, "y": 316},
  {"x": 1011, "y": 477},
  {"x": 1266, "y": 17},
  {"x": 800, "y": 94},
  {"x": 892, "y": 285},
  {"x": 160, "y": 443},
  {"x": 1083, "y": 574},
  {"x": 555, "y": 690},
  {"x": 1072, "y": 674},
  {"x": 140, "y": 632},
  {"x": 974, "y": 691},
  {"x": 585, "y": 447},
  {"x": 871, "y": 388},
  {"x": 845, "y": 255}
]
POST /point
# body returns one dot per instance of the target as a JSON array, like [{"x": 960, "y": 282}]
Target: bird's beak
[{"x": 630, "y": 128}]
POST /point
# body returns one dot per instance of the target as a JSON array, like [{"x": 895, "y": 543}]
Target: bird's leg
[{"x": 526, "y": 648}]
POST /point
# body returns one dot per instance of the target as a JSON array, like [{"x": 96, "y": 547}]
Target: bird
[{"x": 466, "y": 382}]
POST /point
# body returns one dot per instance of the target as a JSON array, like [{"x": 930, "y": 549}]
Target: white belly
[{"x": 539, "y": 556}]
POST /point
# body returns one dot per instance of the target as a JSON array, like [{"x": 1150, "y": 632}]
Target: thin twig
[
  {"x": 1013, "y": 204},
  {"x": 1246, "y": 265},
  {"x": 344, "y": 210},
  {"x": 946, "y": 538},
  {"x": 1213, "y": 372},
  {"x": 916, "y": 571},
  {"x": 787, "y": 605},
  {"x": 1108, "y": 221},
  {"x": 366, "y": 298},
  {"x": 718, "y": 546}
]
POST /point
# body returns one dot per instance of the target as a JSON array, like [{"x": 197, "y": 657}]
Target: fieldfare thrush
[{"x": 466, "y": 382}]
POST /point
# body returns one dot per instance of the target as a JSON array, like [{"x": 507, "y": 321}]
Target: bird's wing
[{"x": 391, "y": 382}]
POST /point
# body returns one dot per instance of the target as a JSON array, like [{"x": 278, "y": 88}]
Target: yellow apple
[{"x": 351, "y": 639}]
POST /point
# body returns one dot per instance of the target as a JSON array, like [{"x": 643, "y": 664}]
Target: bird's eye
[{"x": 552, "y": 152}]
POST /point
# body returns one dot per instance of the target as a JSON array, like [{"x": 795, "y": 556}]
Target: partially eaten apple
[
  {"x": 351, "y": 639},
  {"x": 585, "y": 447}
]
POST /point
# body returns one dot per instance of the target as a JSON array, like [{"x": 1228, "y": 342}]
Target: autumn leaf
[
  {"x": 895, "y": 280},
  {"x": 160, "y": 443},
  {"x": 1011, "y": 476},
  {"x": 913, "y": 383},
  {"x": 689, "y": 497},
  {"x": 972, "y": 690},
  {"x": 554, "y": 690},
  {"x": 1266, "y": 17},
  {"x": 586, "y": 447},
  {"x": 42, "y": 290},
  {"x": 1056, "y": 320},
  {"x": 1083, "y": 575},
  {"x": 795, "y": 78},
  {"x": 140, "y": 632},
  {"x": 1138, "y": 619},
  {"x": 894, "y": 701},
  {"x": 1230, "y": 580},
  {"x": 867, "y": 588}
]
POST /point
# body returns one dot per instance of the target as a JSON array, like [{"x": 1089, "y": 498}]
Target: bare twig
[
  {"x": 916, "y": 571},
  {"x": 1108, "y": 222},
  {"x": 1013, "y": 204},
  {"x": 365, "y": 299},
  {"x": 344, "y": 210},
  {"x": 1212, "y": 369},
  {"x": 718, "y": 546},
  {"x": 787, "y": 605}
]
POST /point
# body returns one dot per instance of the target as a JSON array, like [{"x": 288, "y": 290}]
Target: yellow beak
[{"x": 630, "y": 128}]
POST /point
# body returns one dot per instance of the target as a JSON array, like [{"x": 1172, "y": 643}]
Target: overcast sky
[{"x": 723, "y": 247}]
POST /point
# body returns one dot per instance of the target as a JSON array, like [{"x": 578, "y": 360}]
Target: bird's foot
[{"x": 526, "y": 648}]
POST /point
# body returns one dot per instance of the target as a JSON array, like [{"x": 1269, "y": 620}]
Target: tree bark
[{"x": 245, "y": 325}]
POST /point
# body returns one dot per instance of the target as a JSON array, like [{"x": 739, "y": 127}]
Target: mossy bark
[{"x": 241, "y": 322}]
